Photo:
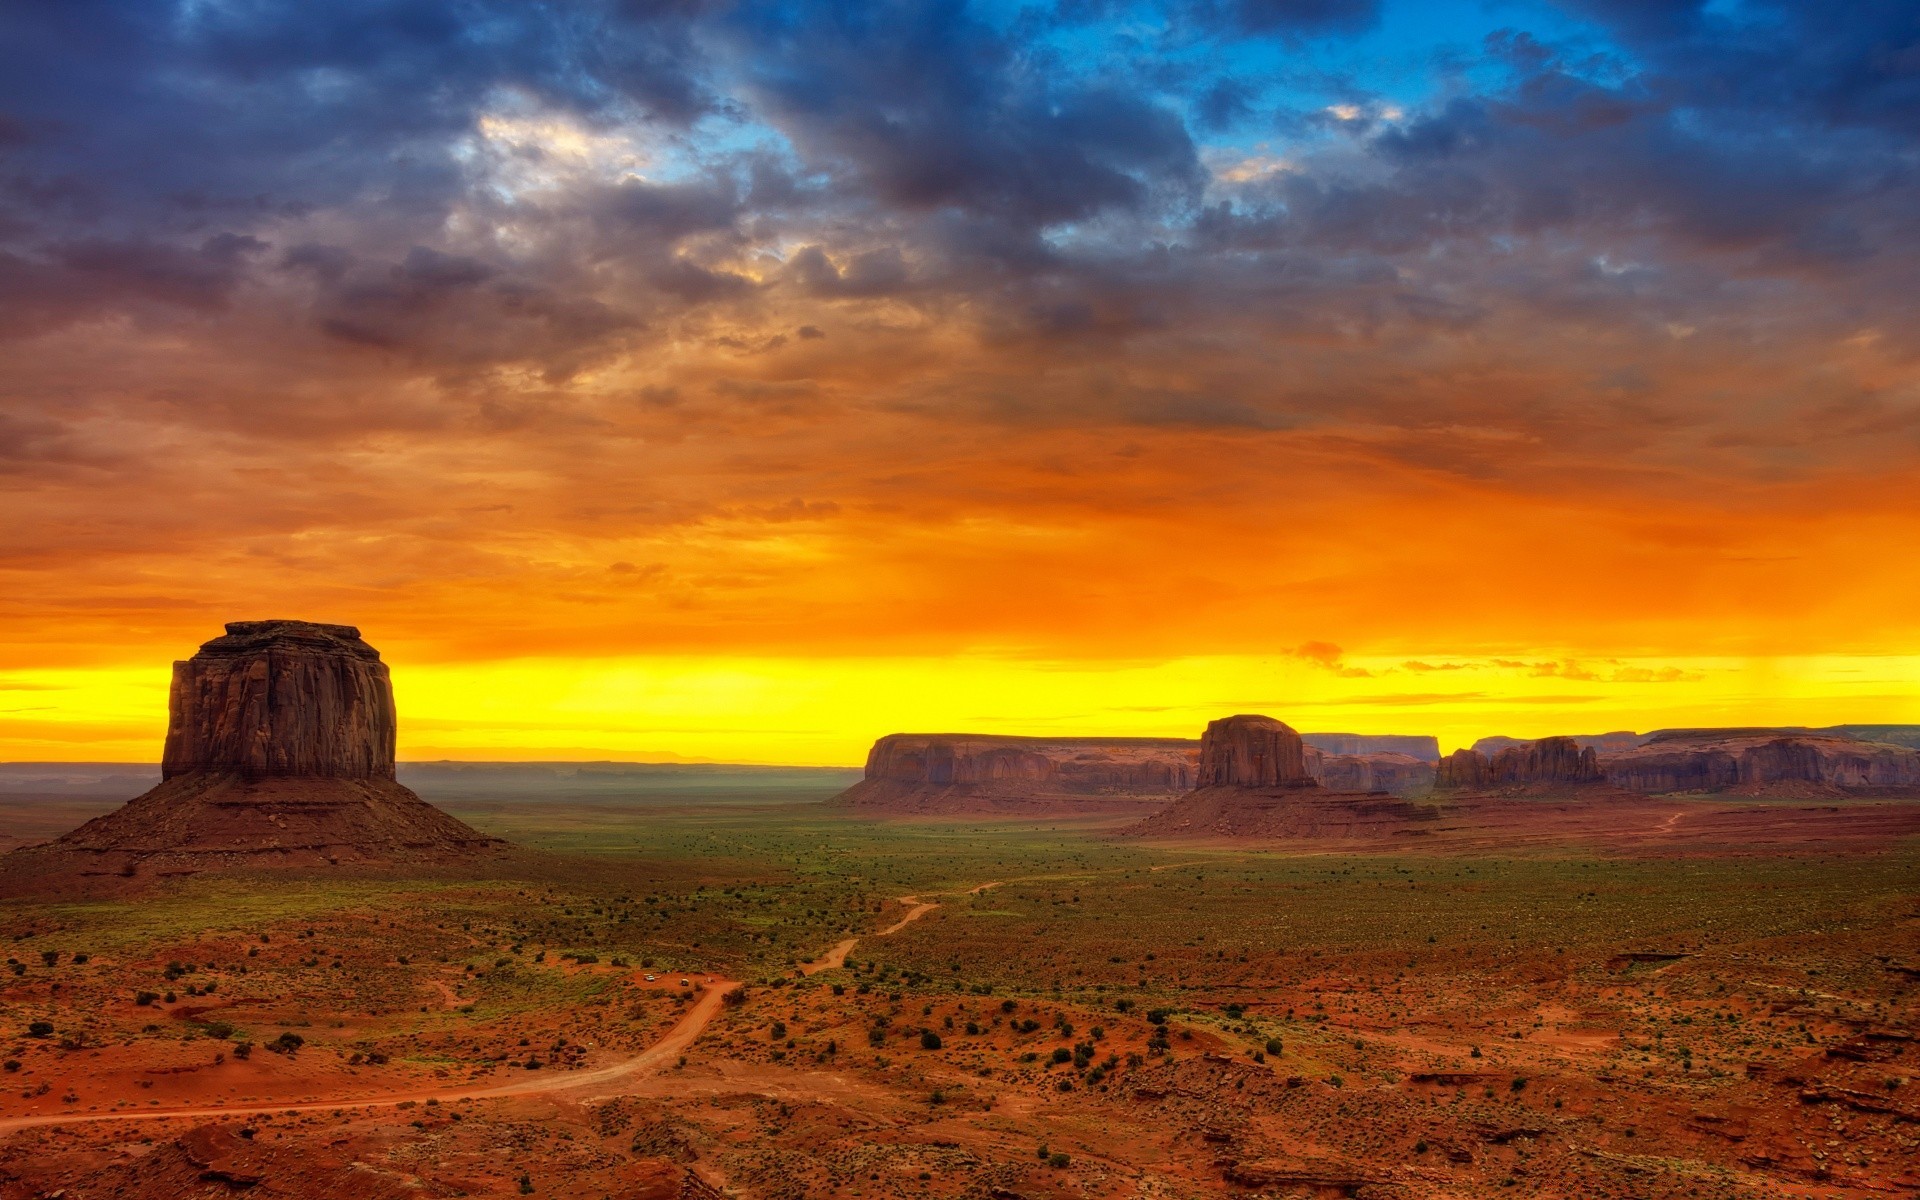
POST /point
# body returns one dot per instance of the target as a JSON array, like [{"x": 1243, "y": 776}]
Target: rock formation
[
  {"x": 1762, "y": 761},
  {"x": 1256, "y": 782},
  {"x": 961, "y": 773},
  {"x": 280, "y": 740},
  {"x": 1601, "y": 743},
  {"x": 1547, "y": 763},
  {"x": 1249, "y": 751},
  {"x": 1463, "y": 770},
  {"x": 1398, "y": 774},
  {"x": 281, "y": 699}
]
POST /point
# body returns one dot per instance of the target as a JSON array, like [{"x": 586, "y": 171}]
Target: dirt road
[
  {"x": 676, "y": 1039},
  {"x": 837, "y": 957}
]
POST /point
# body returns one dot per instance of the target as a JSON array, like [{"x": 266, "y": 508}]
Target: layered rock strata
[
  {"x": 281, "y": 699},
  {"x": 1760, "y": 761},
  {"x": 954, "y": 774},
  {"x": 1256, "y": 781},
  {"x": 279, "y": 750},
  {"x": 1397, "y": 774},
  {"x": 1548, "y": 762},
  {"x": 1252, "y": 751}
]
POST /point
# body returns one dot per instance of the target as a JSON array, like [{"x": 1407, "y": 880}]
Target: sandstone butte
[
  {"x": 279, "y": 751},
  {"x": 959, "y": 772},
  {"x": 1254, "y": 782}
]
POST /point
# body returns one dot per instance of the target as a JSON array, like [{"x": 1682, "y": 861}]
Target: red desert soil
[{"x": 579, "y": 1085}]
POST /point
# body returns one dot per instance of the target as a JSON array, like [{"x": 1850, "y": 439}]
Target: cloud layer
[{"x": 1098, "y": 330}]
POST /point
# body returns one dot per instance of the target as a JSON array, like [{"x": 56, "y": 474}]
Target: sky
[{"x": 743, "y": 381}]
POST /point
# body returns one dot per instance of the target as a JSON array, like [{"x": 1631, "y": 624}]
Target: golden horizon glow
[{"x": 826, "y": 712}]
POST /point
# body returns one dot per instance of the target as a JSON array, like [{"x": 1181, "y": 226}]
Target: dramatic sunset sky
[{"x": 742, "y": 381}]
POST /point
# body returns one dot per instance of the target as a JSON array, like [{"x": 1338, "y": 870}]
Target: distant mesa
[
  {"x": 1550, "y": 762},
  {"x": 1741, "y": 761},
  {"x": 1256, "y": 781},
  {"x": 957, "y": 773},
  {"x": 1423, "y": 746},
  {"x": 1616, "y": 742},
  {"x": 954, "y": 774},
  {"x": 279, "y": 750},
  {"x": 1763, "y": 762},
  {"x": 1396, "y": 774}
]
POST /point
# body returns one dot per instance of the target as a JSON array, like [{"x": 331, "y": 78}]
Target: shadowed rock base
[
  {"x": 1299, "y": 811},
  {"x": 200, "y": 822},
  {"x": 279, "y": 753}
]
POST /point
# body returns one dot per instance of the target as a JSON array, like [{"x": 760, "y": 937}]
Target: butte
[
  {"x": 1255, "y": 780},
  {"x": 279, "y": 752}
]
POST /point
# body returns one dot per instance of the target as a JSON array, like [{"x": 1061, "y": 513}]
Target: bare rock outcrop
[
  {"x": 1250, "y": 751},
  {"x": 1601, "y": 743},
  {"x": 1397, "y": 774},
  {"x": 1763, "y": 762},
  {"x": 277, "y": 699},
  {"x": 1549, "y": 762},
  {"x": 955, "y": 774},
  {"x": 280, "y": 748},
  {"x": 1463, "y": 770},
  {"x": 1256, "y": 783}
]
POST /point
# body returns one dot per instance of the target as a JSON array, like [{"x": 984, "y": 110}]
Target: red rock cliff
[
  {"x": 1120, "y": 764},
  {"x": 279, "y": 753},
  {"x": 1550, "y": 760},
  {"x": 1400, "y": 774},
  {"x": 1727, "y": 760},
  {"x": 1252, "y": 751},
  {"x": 275, "y": 699}
]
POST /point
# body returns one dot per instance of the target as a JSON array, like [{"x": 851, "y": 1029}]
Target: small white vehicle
[
  {"x": 649, "y": 979},
  {"x": 684, "y": 983}
]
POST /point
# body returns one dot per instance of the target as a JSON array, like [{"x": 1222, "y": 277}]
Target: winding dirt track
[
  {"x": 671, "y": 1044},
  {"x": 676, "y": 1039},
  {"x": 837, "y": 957}
]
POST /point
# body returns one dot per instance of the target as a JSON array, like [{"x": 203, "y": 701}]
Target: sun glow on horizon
[{"x": 826, "y": 712}]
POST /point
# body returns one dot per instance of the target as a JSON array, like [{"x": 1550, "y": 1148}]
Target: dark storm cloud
[
  {"x": 327, "y": 164},
  {"x": 923, "y": 107}
]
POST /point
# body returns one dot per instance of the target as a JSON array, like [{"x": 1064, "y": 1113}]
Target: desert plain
[{"x": 702, "y": 984}]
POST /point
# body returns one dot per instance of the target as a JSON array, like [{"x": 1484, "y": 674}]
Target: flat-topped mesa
[
  {"x": 956, "y": 773},
  {"x": 1397, "y": 774},
  {"x": 281, "y": 699},
  {"x": 1423, "y": 746},
  {"x": 1762, "y": 761},
  {"x": 1252, "y": 751},
  {"x": 1547, "y": 762}
]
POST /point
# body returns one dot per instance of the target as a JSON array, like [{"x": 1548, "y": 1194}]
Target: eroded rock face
[
  {"x": 279, "y": 751},
  {"x": 1252, "y": 751},
  {"x": 1709, "y": 760},
  {"x": 279, "y": 699},
  {"x": 1423, "y": 746},
  {"x": 1399, "y": 774},
  {"x": 1141, "y": 764},
  {"x": 1462, "y": 770},
  {"x": 1550, "y": 760},
  {"x": 929, "y": 773}
]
